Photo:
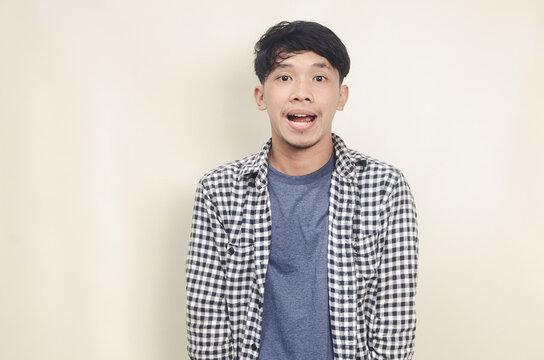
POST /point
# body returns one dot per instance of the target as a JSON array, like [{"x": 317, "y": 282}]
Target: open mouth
[{"x": 301, "y": 118}]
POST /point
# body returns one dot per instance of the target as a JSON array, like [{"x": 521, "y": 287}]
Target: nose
[{"x": 302, "y": 92}]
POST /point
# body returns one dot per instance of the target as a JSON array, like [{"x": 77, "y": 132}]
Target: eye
[
  {"x": 319, "y": 78},
  {"x": 284, "y": 78}
]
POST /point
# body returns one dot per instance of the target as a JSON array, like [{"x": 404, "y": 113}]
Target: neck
[{"x": 297, "y": 162}]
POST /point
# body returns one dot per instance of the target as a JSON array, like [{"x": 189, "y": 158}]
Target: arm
[
  {"x": 393, "y": 327},
  {"x": 208, "y": 328}
]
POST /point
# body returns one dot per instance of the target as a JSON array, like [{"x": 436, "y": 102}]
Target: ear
[
  {"x": 258, "y": 93},
  {"x": 344, "y": 94}
]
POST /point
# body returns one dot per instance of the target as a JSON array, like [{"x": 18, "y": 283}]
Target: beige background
[{"x": 110, "y": 111}]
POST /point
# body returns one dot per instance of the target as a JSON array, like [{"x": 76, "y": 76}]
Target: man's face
[{"x": 301, "y": 96}]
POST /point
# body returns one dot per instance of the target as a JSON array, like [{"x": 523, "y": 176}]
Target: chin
[{"x": 302, "y": 145}]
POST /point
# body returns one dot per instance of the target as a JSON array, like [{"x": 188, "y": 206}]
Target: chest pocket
[
  {"x": 365, "y": 252},
  {"x": 240, "y": 253}
]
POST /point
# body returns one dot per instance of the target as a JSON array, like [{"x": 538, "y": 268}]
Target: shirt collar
[
  {"x": 346, "y": 161},
  {"x": 257, "y": 166}
]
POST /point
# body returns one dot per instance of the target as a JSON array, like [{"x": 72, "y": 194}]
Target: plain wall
[{"x": 110, "y": 112}]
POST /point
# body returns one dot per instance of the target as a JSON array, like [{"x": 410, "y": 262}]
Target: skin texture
[{"x": 304, "y": 83}]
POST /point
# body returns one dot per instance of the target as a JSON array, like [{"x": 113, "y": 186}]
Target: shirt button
[
  {"x": 254, "y": 347},
  {"x": 231, "y": 251}
]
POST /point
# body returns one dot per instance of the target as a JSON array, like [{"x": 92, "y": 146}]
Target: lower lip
[{"x": 301, "y": 125}]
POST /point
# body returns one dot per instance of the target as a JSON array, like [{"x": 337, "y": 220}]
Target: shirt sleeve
[
  {"x": 394, "y": 325},
  {"x": 208, "y": 328}
]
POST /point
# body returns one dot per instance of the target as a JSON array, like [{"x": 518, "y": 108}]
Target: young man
[{"x": 307, "y": 249}]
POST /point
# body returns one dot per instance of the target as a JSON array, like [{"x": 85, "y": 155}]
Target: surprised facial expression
[{"x": 301, "y": 96}]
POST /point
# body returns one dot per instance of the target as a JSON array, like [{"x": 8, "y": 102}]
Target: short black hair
[{"x": 293, "y": 37}]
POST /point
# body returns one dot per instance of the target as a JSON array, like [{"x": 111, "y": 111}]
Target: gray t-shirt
[{"x": 296, "y": 322}]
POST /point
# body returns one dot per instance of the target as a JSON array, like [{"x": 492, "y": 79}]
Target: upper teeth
[{"x": 301, "y": 115}]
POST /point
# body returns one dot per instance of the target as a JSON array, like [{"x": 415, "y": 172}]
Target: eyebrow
[{"x": 320, "y": 65}]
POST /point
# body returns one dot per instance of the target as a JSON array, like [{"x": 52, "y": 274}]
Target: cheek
[
  {"x": 329, "y": 98},
  {"x": 331, "y": 105},
  {"x": 273, "y": 104}
]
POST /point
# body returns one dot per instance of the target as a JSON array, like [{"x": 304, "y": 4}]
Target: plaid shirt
[{"x": 372, "y": 259}]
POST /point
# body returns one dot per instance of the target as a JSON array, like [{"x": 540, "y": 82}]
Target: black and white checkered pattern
[{"x": 372, "y": 259}]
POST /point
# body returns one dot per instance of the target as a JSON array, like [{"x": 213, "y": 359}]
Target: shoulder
[
  {"x": 238, "y": 173},
  {"x": 374, "y": 177},
  {"x": 229, "y": 176},
  {"x": 368, "y": 167},
  {"x": 380, "y": 188},
  {"x": 361, "y": 168}
]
